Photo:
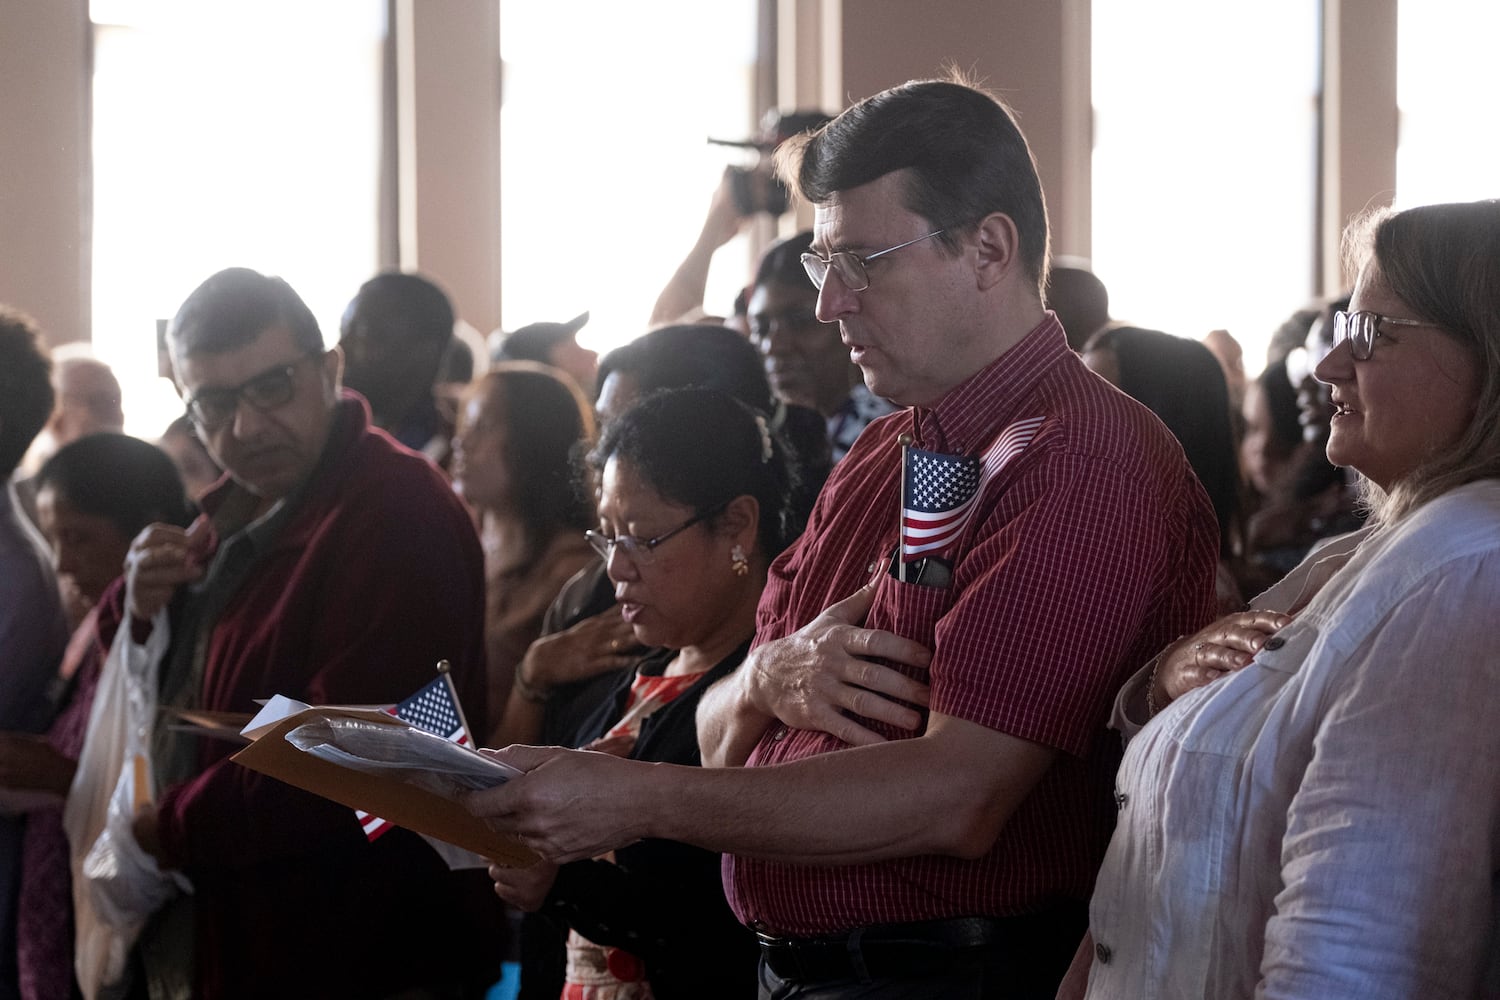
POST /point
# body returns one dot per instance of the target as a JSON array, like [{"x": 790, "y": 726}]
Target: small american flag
[
  {"x": 433, "y": 709},
  {"x": 938, "y": 491},
  {"x": 937, "y": 496}
]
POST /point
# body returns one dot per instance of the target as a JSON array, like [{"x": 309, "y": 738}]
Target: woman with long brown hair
[{"x": 521, "y": 428}]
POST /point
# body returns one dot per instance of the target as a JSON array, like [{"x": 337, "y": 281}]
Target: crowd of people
[{"x": 916, "y": 630}]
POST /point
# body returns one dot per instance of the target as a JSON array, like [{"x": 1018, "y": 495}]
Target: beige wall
[
  {"x": 44, "y": 157},
  {"x": 1360, "y": 121},
  {"x": 1022, "y": 50},
  {"x": 448, "y": 112}
]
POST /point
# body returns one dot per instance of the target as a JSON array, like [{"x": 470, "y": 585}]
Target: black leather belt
[{"x": 883, "y": 951}]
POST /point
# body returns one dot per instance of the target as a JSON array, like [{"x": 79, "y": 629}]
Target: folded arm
[{"x": 817, "y": 678}]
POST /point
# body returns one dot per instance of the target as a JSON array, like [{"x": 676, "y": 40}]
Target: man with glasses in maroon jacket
[
  {"x": 910, "y": 776},
  {"x": 333, "y": 566}
]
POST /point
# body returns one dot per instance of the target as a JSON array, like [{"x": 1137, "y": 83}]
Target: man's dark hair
[
  {"x": 407, "y": 305},
  {"x": 965, "y": 156},
  {"x": 234, "y": 307},
  {"x": 782, "y": 262},
  {"x": 394, "y": 335},
  {"x": 127, "y": 481},
  {"x": 26, "y": 394}
]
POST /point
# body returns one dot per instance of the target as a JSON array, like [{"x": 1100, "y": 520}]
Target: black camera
[{"x": 758, "y": 190}]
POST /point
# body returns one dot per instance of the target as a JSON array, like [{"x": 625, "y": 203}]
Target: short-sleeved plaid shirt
[{"x": 1088, "y": 551}]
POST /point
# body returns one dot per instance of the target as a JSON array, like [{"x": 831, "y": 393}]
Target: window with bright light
[
  {"x": 606, "y": 171},
  {"x": 234, "y": 133},
  {"x": 1204, "y": 164},
  {"x": 1447, "y": 79}
]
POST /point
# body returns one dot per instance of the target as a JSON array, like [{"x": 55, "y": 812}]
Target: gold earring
[{"x": 738, "y": 561}]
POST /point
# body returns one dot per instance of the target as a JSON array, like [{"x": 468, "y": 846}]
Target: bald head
[{"x": 88, "y": 398}]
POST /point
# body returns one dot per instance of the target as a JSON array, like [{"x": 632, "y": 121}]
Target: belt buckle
[{"x": 781, "y": 956}]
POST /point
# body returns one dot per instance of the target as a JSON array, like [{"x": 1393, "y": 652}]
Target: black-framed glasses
[
  {"x": 850, "y": 266},
  {"x": 213, "y": 408},
  {"x": 639, "y": 550},
  {"x": 1361, "y": 328}
]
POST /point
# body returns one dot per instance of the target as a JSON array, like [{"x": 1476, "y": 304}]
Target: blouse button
[
  {"x": 1275, "y": 642},
  {"x": 1120, "y": 799},
  {"x": 1102, "y": 953},
  {"x": 779, "y": 735}
]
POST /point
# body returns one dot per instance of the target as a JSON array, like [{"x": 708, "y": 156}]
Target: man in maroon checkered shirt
[{"x": 910, "y": 777}]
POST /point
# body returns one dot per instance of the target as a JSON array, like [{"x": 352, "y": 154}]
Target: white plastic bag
[{"x": 116, "y": 885}]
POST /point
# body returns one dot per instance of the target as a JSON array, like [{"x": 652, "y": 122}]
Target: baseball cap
[{"x": 534, "y": 342}]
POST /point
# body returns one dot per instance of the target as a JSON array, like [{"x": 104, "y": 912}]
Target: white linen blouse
[{"x": 1326, "y": 821}]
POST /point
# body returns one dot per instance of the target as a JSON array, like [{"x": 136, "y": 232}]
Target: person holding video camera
[{"x": 742, "y": 193}]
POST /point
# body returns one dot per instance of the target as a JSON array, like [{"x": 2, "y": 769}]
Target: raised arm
[{"x": 685, "y": 290}]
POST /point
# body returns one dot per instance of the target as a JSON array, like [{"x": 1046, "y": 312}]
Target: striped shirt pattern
[{"x": 1089, "y": 548}]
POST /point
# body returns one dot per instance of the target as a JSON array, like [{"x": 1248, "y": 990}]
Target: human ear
[
  {"x": 998, "y": 249},
  {"x": 740, "y": 521}
]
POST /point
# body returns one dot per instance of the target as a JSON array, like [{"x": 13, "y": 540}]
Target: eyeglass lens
[
  {"x": 639, "y": 549},
  {"x": 267, "y": 391},
  {"x": 1359, "y": 329},
  {"x": 635, "y": 549},
  {"x": 850, "y": 268}
]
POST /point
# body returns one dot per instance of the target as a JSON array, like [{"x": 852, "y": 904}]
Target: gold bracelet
[
  {"x": 1151, "y": 706},
  {"x": 529, "y": 693}
]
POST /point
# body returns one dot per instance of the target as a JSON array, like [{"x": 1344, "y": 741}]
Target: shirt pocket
[
  {"x": 1229, "y": 716},
  {"x": 910, "y": 610}
]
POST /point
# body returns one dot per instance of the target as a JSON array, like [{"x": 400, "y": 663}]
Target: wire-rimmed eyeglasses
[
  {"x": 639, "y": 550},
  {"x": 1361, "y": 328},
  {"x": 851, "y": 266}
]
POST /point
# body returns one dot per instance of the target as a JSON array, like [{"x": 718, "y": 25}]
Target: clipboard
[{"x": 407, "y": 805}]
